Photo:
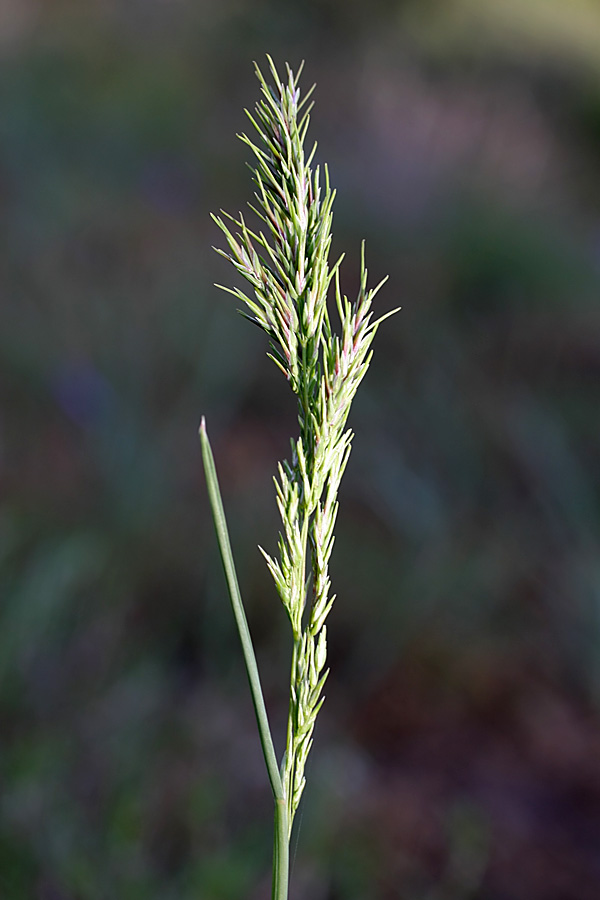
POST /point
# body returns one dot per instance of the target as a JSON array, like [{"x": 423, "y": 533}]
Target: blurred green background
[{"x": 458, "y": 754}]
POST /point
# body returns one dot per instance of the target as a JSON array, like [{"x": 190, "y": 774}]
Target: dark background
[{"x": 458, "y": 754}]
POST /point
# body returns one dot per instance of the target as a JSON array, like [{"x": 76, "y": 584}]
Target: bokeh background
[{"x": 458, "y": 754}]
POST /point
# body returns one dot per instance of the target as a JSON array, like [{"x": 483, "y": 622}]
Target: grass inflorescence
[{"x": 285, "y": 260}]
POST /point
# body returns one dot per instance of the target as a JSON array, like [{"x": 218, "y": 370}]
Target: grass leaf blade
[{"x": 239, "y": 613}]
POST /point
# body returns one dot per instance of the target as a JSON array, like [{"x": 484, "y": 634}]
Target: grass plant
[{"x": 286, "y": 263}]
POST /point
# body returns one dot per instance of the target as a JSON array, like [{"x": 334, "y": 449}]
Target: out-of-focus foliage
[
  {"x": 549, "y": 32},
  {"x": 458, "y": 752}
]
